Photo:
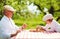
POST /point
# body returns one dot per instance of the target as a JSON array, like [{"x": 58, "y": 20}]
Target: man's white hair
[{"x": 8, "y": 7}]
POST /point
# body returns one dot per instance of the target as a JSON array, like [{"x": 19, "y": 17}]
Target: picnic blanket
[{"x": 37, "y": 35}]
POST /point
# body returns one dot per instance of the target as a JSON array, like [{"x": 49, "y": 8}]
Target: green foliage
[{"x": 27, "y": 17}]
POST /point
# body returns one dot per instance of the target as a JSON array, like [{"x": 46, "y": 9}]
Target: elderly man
[{"x": 8, "y": 29}]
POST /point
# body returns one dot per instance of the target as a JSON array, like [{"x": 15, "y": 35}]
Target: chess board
[{"x": 37, "y": 35}]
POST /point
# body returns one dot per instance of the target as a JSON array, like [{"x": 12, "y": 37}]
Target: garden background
[{"x": 31, "y": 12}]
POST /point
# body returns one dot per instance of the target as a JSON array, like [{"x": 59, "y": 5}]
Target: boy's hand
[{"x": 40, "y": 29}]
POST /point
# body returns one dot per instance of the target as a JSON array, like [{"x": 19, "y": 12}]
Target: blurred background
[{"x": 31, "y": 12}]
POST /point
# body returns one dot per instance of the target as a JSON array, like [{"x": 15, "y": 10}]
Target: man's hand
[
  {"x": 24, "y": 26},
  {"x": 19, "y": 30},
  {"x": 12, "y": 35}
]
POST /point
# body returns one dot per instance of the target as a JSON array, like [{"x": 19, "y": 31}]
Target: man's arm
[
  {"x": 12, "y": 35},
  {"x": 19, "y": 29}
]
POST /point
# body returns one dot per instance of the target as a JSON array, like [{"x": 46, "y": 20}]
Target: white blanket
[{"x": 37, "y": 35}]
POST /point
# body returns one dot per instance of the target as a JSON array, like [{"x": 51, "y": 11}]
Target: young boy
[{"x": 51, "y": 25}]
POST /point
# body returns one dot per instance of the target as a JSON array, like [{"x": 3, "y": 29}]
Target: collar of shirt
[{"x": 7, "y": 18}]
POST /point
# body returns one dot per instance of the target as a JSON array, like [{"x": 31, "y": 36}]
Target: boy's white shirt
[
  {"x": 54, "y": 26},
  {"x": 7, "y": 27}
]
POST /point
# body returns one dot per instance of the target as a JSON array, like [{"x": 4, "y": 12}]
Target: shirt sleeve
[
  {"x": 6, "y": 35},
  {"x": 16, "y": 27},
  {"x": 57, "y": 26}
]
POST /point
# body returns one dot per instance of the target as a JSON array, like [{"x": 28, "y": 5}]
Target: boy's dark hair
[{"x": 50, "y": 20}]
